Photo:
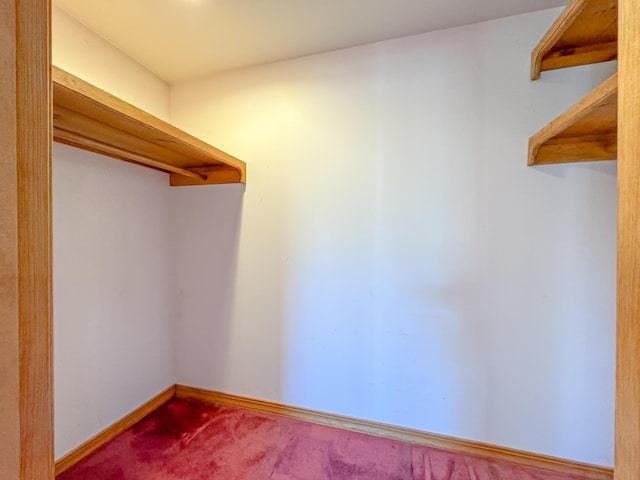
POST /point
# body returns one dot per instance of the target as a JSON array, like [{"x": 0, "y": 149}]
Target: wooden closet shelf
[
  {"x": 89, "y": 118},
  {"x": 587, "y": 131},
  {"x": 586, "y": 32}
]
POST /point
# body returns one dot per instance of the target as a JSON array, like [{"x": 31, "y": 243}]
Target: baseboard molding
[
  {"x": 417, "y": 437},
  {"x": 108, "y": 434},
  {"x": 558, "y": 465}
]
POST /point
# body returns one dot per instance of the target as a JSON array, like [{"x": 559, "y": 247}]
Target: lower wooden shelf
[{"x": 585, "y": 132}]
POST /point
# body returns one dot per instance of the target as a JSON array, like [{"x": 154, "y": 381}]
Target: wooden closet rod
[{"x": 81, "y": 141}]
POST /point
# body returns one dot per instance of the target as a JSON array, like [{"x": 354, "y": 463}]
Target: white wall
[
  {"x": 112, "y": 292},
  {"x": 393, "y": 257},
  {"x": 83, "y": 53},
  {"x": 113, "y": 308}
]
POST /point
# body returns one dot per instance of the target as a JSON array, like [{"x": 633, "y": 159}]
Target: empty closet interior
[{"x": 400, "y": 246}]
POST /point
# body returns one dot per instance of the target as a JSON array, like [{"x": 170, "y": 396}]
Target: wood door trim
[
  {"x": 26, "y": 451},
  {"x": 627, "y": 450}
]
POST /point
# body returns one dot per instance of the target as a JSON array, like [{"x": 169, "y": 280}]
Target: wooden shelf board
[
  {"x": 89, "y": 118},
  {"x": 585, "y": 132},
  {"x": 586, "y": 32}
]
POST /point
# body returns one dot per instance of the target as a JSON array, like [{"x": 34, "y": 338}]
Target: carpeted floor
[{"x": 191, "y": 440}]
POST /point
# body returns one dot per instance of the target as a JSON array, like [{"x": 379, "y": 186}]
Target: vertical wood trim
[
  {"x": 9, "y": 347},
  {"x": 34, "y": 134},
  {"x": 25, "y": 203},
  {"x": 627, "y": 452}
]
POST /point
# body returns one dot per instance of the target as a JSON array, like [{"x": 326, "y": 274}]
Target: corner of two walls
[
  {"x": 83, "y": 53},
  {"x": 113, "y": 309}
]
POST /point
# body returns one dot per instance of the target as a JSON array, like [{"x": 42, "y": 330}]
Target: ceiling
[{"x": 180, "y": 40}]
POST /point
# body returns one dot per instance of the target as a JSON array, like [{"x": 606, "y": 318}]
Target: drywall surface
[
  {"x": 112, "y": 292},
  {"x": 393, "y": 258},
  {"x": 113, "y": 307},
  {"x": 84, "y": 54}
]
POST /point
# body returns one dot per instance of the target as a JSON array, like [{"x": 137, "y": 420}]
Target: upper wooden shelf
[
  {"x": 89, "y": 118},
  {"x": 586, "y": 32},
  {"x": 585, "y": 132}
]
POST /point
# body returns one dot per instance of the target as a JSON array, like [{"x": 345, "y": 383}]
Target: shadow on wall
[
  {"x": 380, "y": 305},
  {"x": 205, "y": 230},
  {"x": 112, "y": 291}
]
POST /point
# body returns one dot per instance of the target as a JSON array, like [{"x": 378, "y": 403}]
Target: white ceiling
[{"x": 183, "y": 39}]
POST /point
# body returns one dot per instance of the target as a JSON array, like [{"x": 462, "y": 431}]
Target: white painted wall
[
  {"x": 112, "y": 292},
  {"x": 393, "y": 257},
  {"x": 113, "y": 308},
  {"x": 83, "y": 53}
]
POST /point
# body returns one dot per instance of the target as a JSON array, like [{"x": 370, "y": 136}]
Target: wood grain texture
[
  {"x": 117, "y": 428},
  {"x": 9, "y": 313},
  {"x": 627, "y": 450},
  {"x": 89, "y": 118},
  {"x": 95, "y": 146},
  {"x": 591, "y": 472},
  {"x": 586, "y": 131},
  {"x": 34, "y": 114},
  {"x": 26, "y": 451},
  {"x": 575, "y": 56},
  {"x": 211, "y": 176},
  {"x": 585, "y": 32}
]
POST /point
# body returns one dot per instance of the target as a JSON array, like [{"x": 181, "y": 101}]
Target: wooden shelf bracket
[
  {"x": 586, "y": 32},
  {"x": 587, "y": 131}
]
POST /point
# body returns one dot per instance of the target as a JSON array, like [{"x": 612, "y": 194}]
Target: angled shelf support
[
  {"x": 587, "y": 131},
  {"x": 89, "y": 118},
  {"x": 586, "y": 32}
]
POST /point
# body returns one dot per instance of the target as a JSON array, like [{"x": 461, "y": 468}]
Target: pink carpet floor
[{"x": 191, "y": 440}]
